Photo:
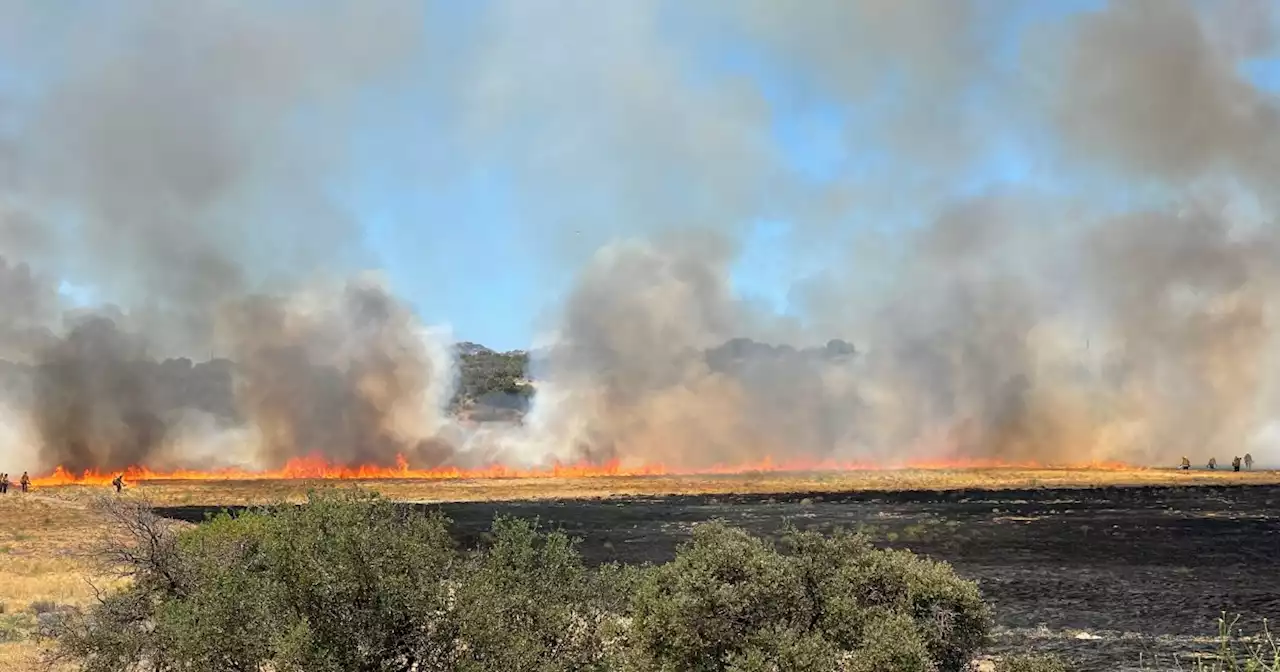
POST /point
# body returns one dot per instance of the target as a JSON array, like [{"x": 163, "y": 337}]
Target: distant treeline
[{"x": 490, "y": 383}]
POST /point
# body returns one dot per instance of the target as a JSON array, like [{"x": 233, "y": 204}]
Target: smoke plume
[
  {"x": 1033, "y": 232},
  {"x": 180, "y": 159},
  {"x": 345, "y": 375}
]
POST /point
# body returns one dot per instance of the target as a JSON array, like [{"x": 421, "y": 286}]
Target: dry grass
[
  {"x": 207, "y": 493},
  {"x": 43, "y": 544}
]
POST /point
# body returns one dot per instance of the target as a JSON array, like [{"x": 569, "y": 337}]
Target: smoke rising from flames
[
  {"x": 181, "y": 159},
  {"x": 356, "y": 383}
]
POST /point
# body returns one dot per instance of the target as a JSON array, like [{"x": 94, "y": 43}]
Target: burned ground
[{"x": 1107, "y": 576}]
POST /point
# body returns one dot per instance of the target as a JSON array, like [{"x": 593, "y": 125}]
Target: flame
[{"x": 315, "y": 467}]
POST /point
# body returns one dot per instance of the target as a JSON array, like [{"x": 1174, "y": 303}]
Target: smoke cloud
[
  {"x": 180, "y": 159},
  {"x": 1107, "y": 295},
  {"x": 346, "y": 375}
]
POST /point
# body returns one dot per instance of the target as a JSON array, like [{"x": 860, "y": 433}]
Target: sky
[
  {"x": 455, "y": 248},
  {"x": 457, "y": 216},
  {"x": 1043, "y": 225}
]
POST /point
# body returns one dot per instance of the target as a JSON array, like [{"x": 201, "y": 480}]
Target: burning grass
[
  {"x": 265, "y": 490},
  {"x": 317, "y": 468}
]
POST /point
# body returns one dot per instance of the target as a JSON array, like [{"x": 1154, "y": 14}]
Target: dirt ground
[{"x": 1109, "y": 568}]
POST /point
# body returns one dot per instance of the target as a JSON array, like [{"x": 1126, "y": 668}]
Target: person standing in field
[
  {"x": 118, "y": 482},
  {"x": 1186, "y": 463},
  {"x": 25, "y": 482},
  {"x": 4, "y": 484},
  {"x": 1235, "y": 464},
  {"x": 1248, "y": 461}
]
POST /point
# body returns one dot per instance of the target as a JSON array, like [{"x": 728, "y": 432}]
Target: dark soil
[{"x": 1109, "y": 577}]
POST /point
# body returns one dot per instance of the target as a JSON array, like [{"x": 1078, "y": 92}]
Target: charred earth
[{"x": 1107, "y": 576}]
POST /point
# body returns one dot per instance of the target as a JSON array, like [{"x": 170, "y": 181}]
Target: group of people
[
  {"x": 1213, "y": 463},
  {"x": 24, "y": 483}
]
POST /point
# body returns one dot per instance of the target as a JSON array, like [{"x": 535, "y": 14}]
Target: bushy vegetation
[
  {"x": 352, "y": 582},
  {"x": 1032, "y": 663},
  {"x": 496, "y": 380}
]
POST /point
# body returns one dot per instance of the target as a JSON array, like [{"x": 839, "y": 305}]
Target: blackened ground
[{"x": 1111, "y": 577}]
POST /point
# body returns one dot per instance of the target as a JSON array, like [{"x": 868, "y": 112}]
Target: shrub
[
  {"x": 353, "y": 582},
  {"x": 337, "y": 584},
  {"x": 529, "y": 604},
  {"x": 730, "y": 601},
  {"x": 1032, "y": 663},
  {"x": 13, "y": 628},
  {"x": 352, "y": 577},
  {"x": 43, "y": 607}
]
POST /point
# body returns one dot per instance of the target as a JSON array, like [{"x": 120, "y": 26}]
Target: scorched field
[{"x": 1116, "y": 569}]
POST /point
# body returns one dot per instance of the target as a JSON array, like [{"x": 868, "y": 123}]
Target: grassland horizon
[{"x": 263, "y": 491}]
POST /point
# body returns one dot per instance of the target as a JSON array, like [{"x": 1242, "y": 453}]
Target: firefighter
[
  {"x": 118, "y": 482},
  {"x": 1186, "y": 464},
  {"x": 1213, "y": 463},
  {"x": 1235, "y": 464},
  {"x": 25, "y": 482},
  {"x": 4, "y": 484},
  {"x": 1248, "y": 461}
]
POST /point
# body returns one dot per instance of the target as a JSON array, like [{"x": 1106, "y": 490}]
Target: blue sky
[
  {"x": 457, "y": 247},
  {"x": 463, "y": 236}
]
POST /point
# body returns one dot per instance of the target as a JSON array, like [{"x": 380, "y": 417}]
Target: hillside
[{"x": 491, "y": 385}]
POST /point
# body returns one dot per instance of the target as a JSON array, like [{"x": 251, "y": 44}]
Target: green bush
[
  {"x": 1032, "y": 663},
  {"x": 353, "y": 582},
  {"x": 527, "y": 603},
  {"x": 730, "y": 601},
  {"x": 14, "y": 627}
]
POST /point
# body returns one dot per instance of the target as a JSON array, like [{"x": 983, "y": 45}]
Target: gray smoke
[
  {"x": 94, "y": 402},
  {"x": 348, "y": 376},
  {"x": 1040, "y": 326},
  {"x": 1152, "y": 87},
  {"x": 174, "y": 138},
  {"x": 189, "y": 162},
  {"x": 647, "y": 371},
  {"x": 180, "y": 158}
]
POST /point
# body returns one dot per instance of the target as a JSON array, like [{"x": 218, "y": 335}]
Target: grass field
[
  {"x": 267, "y": 491},
  {"x": 45, "y": 535},
  {"x": 44, "y": 564}
]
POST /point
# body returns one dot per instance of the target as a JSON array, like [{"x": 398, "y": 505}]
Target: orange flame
[{"x": 315, "y": 467}]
